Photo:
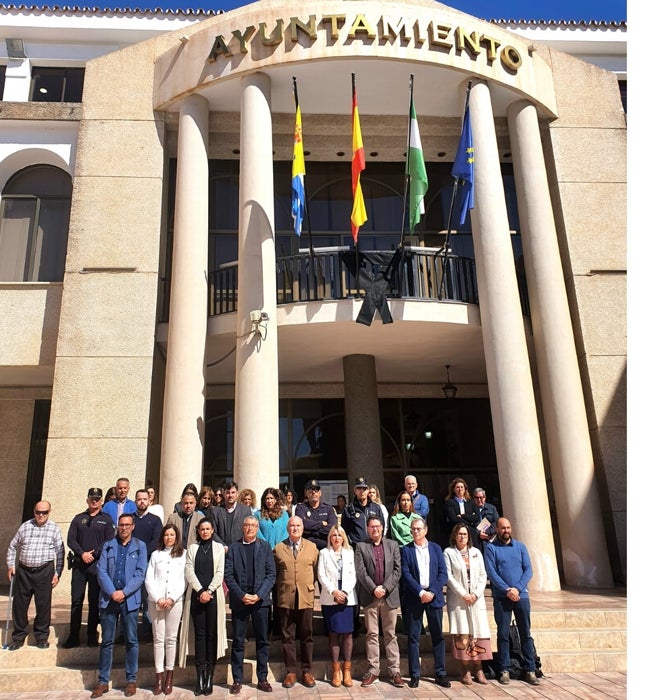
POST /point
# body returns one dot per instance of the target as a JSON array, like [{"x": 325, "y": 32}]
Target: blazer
[
  {"x": 328, "y": 576},
  {"x": 185, "y": 639},
  {"x": 236, "y": 574},
  {"x": 176, "y": 519},
  {"x": 490, "y": 513},
  {"x": 297, "y": 574},
  {"x": 230, "y": 529},
  {"x": 364, "y": 562},
  {"x": 135, "y": 570},
  {"x": 410, "y": 586},
  {"x": 464, "y": 618},
  {"x": 469, "y": 518}
]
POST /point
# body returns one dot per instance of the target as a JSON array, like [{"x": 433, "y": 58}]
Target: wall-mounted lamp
[
  {"x": 449, "y": 389},
  {"x": 259, "y": 317},
  {"x": 184, "y": 39},
  {"x": 15, "y": 48}
]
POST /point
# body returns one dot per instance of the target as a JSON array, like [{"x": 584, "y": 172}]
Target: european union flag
[{"x": 463, "y": 169}]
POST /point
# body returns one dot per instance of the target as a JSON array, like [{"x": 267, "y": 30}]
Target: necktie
[{"x": 295, "y": 550}]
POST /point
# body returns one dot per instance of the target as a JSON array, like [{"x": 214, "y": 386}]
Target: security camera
[{"x": 264, "y": 316}]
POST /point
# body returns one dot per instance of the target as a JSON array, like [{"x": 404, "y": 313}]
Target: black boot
[
  {"x": 200, "y": 681},
  {"x": 207, "y": 685}
]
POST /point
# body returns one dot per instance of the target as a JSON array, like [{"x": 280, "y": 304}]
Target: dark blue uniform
[
  {"x": 86, "y": 534},
  {"x": 355, "y": 517},
  {"x": 317, "y": 522}
]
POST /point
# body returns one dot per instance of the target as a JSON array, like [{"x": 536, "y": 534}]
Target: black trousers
[
  {"x": 82, "y": 577},
  {"x": 204, "y": 617},
  {"x": 38, "y": 585}
]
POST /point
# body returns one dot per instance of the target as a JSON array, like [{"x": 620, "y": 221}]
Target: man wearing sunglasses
[
  {"x": 86, "y": 536},
  {"x": 35, "y": 558}
]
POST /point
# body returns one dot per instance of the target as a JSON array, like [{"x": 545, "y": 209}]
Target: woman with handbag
[{"x": 468, "y": 620}]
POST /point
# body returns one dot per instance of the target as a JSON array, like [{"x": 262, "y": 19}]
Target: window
[
  {"x": 57, "y": 84},
  {"x": 34, "y": 218}
]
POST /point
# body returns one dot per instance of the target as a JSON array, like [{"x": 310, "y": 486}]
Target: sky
[{"x": 610, "y": 10}]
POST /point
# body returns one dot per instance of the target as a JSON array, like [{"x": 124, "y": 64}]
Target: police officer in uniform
[
  {"x": 318, "y": 518},
  {"x": 86, "y": 536},
  {"x": 357, "y": 513}
]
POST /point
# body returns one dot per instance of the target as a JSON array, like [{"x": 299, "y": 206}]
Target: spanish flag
[{"x": 359, "y": 216}]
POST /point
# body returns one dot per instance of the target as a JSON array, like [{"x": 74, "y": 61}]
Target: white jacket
[
  {"x": 165, "y": 576},
  {"x": 328, "y": 576},
  {"x": 464, "y": 618}
]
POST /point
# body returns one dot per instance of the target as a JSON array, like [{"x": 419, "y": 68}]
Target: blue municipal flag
[
  {"x": 463, "y": 169},
  {"x": 298, "y": 176}
]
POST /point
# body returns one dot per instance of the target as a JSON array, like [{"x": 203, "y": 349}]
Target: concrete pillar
[
  {"x": 582, "y": 533},
  {"x": 362, "y": 423},
  {"x": 256, "y": 449},
  {"x": 512, "y": 401},
  {"x": 184, "y": 405}
]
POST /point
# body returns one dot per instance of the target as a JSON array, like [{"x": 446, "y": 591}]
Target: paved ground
[{"x": 561, "y": 686}]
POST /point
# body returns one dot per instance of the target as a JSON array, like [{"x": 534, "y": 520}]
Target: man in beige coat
[{"x": 296, "y": 564}]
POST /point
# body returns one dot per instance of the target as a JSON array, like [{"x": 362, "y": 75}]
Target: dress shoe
[
  {"x": 531, "y": 678},
  {"x": 443, "y": 682},
  {"x": 289, "y": 680},
  {"x": 466, "y": 678},
  {"x": 235, "y": 688},
  {"x": 44, "y": 644},
  {"x": 369, "y": 679},
  {"x": 397, "y": 681},
  {"x": 130, "y": 690},
  {"x": 264, "y": 686},
  {"x": 70, "y": 643},
  {"x": 16, "y": 645},
  {"x": 414, "y": 682},
  {"x": 480, "y": 677},
  {"x": 308, "y": 680},
  {"x": 100, "y": 689},
  {"x": 504, "y": 678}
]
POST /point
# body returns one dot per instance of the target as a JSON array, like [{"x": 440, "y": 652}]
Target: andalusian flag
[
  {"x": 359, "y": 216},
  {"x": 463, "y": 168},
  {"x": 298, "y": 176},
  {"x": 416, "y": 171}
]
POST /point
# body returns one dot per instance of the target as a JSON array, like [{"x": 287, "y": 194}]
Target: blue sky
[{"x": 612, "y": 10}]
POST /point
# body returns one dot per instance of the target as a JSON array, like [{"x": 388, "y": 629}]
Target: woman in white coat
[
  {"x": 165, "y": 584},
  {"x": 205, "y": 607},
  {"x": 337, "y": 577},
  {"x": 468, "y": 620}
]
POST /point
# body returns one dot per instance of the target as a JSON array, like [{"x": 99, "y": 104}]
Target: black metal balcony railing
[{"x": 340, "y": 273}]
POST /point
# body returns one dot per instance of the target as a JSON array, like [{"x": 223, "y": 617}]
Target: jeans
[
  {"x": 108, "y": 619},
  {"x": 503, "y": 611},
  {"x": 260, "y": 618},
  {"x": 412, "y": 621}
]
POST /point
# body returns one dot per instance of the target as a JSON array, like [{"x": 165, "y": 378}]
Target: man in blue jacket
[
  {"x": 424, "y": 574},
  {"x": 120, "y": 573},
  {"x": 509, "y": 569},
  {"x": 250, "y": 576}
]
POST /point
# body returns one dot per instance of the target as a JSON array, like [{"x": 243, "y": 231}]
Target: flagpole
[
  {"x": 356, "y": 242},
  {"x": 454, "y": 192},
  {"x": 407, "y": 175}
]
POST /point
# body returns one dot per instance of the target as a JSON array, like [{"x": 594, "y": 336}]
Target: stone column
[
  {"x": 582, "y": 532},
  {"x": 184, "y": 405},
  {"x": 362, "y": 423},
  {"x": 512, "y": 401},
  {"x": 256, "y": 450}
]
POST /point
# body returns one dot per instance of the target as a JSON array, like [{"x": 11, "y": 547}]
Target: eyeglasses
[
  {"x": 94, "y": 500},
  {"x": 416, "y": 529},
  {"x": 41, "y": 512}
]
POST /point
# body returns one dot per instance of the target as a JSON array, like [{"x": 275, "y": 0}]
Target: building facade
[{"x": 162, "y": 321}]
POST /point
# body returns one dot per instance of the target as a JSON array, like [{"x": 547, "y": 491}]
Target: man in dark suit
[
  {"x": 424, "y": 574},
  {"x": 378, "y": 568},
  {"x": 490, "y": 513},
  {"x": 250, "y": 575},
  {"x": 229, "y": 519},
  {"x": 296, "y": 562}
]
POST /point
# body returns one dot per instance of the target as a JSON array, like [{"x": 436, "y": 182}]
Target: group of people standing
[{"x": 177, "y": 573}]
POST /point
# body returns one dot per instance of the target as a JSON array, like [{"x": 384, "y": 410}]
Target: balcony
[{"x": 332, "y": 274}]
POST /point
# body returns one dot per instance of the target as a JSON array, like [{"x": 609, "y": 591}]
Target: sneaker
[
  {"x": 531, "y": 678},
  {"x": 504, "y": 678}
]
